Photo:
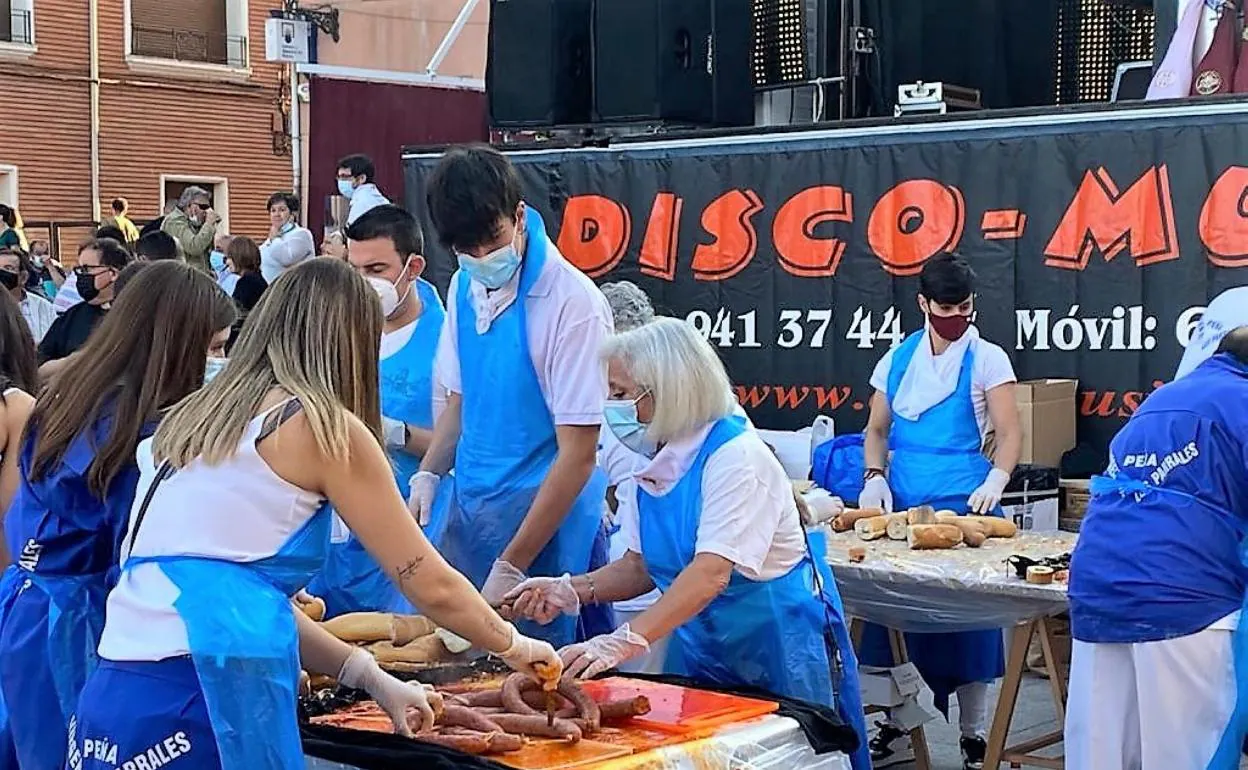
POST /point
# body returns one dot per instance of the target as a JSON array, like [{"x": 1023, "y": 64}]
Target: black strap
[{"x": 274, "y": 421}]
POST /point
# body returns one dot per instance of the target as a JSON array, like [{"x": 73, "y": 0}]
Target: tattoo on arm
[{"x": 408, "y": 570}]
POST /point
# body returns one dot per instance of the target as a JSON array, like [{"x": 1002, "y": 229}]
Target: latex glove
[
  {"x": 361, "y": 672},
  {"x": 876, "y": 494},
  {"x": 394, "y": 432},
  {"x": 587, "y": 660},
  {"x": 989, "y": 494},
  {"x": 532, "y": 657},
  {"x": 544, "y": 598},
  {"x": 502, "y": 579},
  {"x": 424, "y": 487}
]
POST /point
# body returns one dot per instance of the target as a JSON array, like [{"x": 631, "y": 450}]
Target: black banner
[{"x": 1097, "y": 241}]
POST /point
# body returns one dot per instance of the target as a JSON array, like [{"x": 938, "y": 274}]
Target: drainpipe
[
  {"x": 94, "y": 23},
  {"x": 296, "y": 135}
]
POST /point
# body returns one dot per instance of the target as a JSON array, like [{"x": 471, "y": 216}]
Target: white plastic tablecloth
[{"x": 960, "y": 589}]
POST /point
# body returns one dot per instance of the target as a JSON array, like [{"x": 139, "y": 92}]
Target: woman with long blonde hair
[{"x": 233, "y": 517}]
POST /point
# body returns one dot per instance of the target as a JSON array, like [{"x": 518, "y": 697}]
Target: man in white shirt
[
  {"x": 288, "y": 244},
  {"x": 355, "y": 183},
  {"x": 519, "y": 355},
  {"x": 1228, "y": 311},
  {"x": 15, "y": 268}
]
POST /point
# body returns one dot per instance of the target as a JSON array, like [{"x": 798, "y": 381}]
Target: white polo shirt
[
  {"x": 568, "y": 320},
  {"x": 748, "y": 513}
]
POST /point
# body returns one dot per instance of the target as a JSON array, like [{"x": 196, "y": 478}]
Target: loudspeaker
[
  {"x": 538, "y": 69},
  {"x": 686, "y": 61}
]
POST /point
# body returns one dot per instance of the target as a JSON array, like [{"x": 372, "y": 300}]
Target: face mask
[
  {"x": 493, "y": 270},
  {"x": 217, "y": 260},
  {"x": 8, "y": 280},
  {"x": 345, "y": 189},
  {"x": 85, "y": 283},
  {"x": 949, "y": 327},
  {"x": 38, "y": 260},
  {"x": 286, "y": 228},
  {"x": 213, "y": 367},
  {"x": 621, "y": 417},
  {"x": 388, "y": 293}
]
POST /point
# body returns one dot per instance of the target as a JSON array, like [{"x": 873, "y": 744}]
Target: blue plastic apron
[
  {"x": 1230, "y": 747},
  {"x": 768, "y": 634},
  {"x": 352, "y": 581},
  {"x": 244, "y": 644},
  {"x": 507, "y": 446},
  {"x": 10, "y": 583},
  {"x": 937, "y": 461}
]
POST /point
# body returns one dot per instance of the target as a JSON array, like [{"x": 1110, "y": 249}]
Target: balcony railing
[
  {"x": 188, "y": 45},
  {"x": 18, "y": 28}
]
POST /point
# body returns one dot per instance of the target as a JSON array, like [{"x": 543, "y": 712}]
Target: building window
[
  {"x": 8, "y": 185},
  {"x": 172, "y": 185},
  {"x": 17, "y": 22},
  {"x": 212, "y": 32}
]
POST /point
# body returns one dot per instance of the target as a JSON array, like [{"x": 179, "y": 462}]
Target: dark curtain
[{"x": 1005, "y": 48}]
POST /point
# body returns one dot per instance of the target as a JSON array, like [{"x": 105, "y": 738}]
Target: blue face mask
[
  {"x": 345, "y": 189},
  {"x": 286, "y": 228},
  {"x": 493, "y": 270},
  {"x": 217, "y": 260},
  {"x": 621, "y": 417}
]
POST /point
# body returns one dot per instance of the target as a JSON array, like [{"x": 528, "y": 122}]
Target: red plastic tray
[{"x": 680, "y": 709}]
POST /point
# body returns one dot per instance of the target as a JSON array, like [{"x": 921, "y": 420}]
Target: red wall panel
[{"x": 379, "y": 119}]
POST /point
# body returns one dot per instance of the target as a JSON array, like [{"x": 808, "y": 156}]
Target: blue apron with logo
[
  {"x": 1230, "y": 747},
  {"x": 937, "y": 461},
  {"x": 352, "y": 581},
  {"x": 784, "y": 635},
  {"x": 244, "y": 644},
  {"x": 507, "y": 446},
  {"x": 65, "y": 542}
]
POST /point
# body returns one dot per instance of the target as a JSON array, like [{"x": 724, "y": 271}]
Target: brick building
[{"x": 184, "y": 96}]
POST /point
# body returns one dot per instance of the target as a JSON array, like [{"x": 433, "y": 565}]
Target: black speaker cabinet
[
  {"x": 538, "y": 70},
  {"x": 686, "y": 61}
]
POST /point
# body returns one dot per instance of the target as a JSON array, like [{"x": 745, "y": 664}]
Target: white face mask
[
  {"x": 213, "y": 367},
  {"x": 388, "y": 293}
]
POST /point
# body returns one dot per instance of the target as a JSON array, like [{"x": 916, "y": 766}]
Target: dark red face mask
[{"x": 949, "y": 327}]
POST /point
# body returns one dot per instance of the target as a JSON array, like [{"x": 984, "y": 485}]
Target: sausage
[
  {"x": 535, "y": 725},
  {"x": 896, "y": 526},
  {"x": 512, "y": 697},
  {"x": 625, "y": 709},
  {"x": 483, "y": 698},
  {"x": 500, "y": 743},
  {"x": 405, "y": 629},
  {"x": 475, "y": 744},
  {"x": 537, "y": 700},
  {"x": 585, "y": 705},
  {"x": 462, "y": 716},
  {"x": 844, "y": 521},
  {"x": 974, "y": 538},
  {"x": 360, "y": 626},
  {"x": 931, "y": 536},
  {"x": 873, "y": 528}
]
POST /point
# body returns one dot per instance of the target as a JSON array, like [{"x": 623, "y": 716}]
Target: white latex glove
[
  {"x": 533, "y": 657},
  {"x": 424, "y": 487},
  {"x": 394, "y": 432},
  {"x": 502, "y": 578},
  {"x": 876, "y": 494},
  {"x": 989, "y": 494},
  {"x": 544, "y": 598},
  {"x": 587, "y": 660},
  {"x": 361, "y": 672}
]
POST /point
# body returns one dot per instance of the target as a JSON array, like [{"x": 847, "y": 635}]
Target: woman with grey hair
[
  {"x": 710, "y": 520},
  {"x": 193, "y": 224},
  {"x": 630, "y": 306}
]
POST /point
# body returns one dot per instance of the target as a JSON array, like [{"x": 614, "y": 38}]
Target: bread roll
[
  {"x": 995, "y": 526},
  {"x": 845, "y": 520},
  {"x": 426, "y": 649},
  {"x": 405, "y": 629},
  {"x": 933, "y": 536},
  {"x": 898, "y": 526},
  {"x": 922, "y": 514},
  {"x": 872, "y": 528},
  {"x": 361, "y": 626}
]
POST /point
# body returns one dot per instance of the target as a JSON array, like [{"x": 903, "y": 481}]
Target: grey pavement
[{"x": 1033, "y": 717}]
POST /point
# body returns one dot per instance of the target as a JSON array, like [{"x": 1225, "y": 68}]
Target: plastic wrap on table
[
  {"x": 770, "y": 743},
  {"x": 959, "y": 589},
  {"x": 335, "y": 748}
]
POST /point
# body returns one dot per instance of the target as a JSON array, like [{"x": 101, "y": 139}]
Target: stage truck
[{"x": 1098, "y": 237}]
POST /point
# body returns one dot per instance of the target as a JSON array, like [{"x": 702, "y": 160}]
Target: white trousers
[{"x": 1150, "y": 706}]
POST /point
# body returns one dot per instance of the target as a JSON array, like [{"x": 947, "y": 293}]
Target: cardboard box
[
  {"x": 1046, "y": 412},
  {"x": 887, "y": 687}
]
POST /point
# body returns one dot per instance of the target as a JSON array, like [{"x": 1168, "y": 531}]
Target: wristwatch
[{"x": 871, "y": 473}]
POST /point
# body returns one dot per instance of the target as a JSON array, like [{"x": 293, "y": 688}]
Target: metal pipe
[
  {"x": 452, "y": 34},
  {"x": 93, "y": 21},
  {"x": 844, "y": 62},
  {"x": 296, "y": 136}
]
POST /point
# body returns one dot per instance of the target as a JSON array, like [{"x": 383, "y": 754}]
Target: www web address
[{"x": 821, "y": 397}]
